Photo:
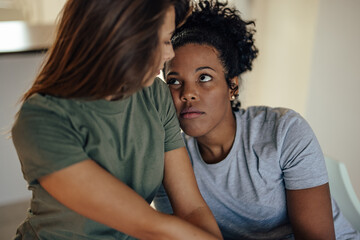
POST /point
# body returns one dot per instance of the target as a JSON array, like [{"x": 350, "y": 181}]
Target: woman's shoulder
[
  {"x": 46, "y": 104},
  {"x": 267, "y": 113},
  {"x": 157, "y": 87},
  {"x": 39, "y": 113},
  {"x": 157, "y": 94},
  {"x": 277, "y": 120}
]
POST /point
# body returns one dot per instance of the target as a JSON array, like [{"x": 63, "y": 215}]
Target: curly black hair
[{"x": 214, "y": 23}]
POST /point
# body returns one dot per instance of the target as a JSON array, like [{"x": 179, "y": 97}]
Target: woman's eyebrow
[
  {"x": 196, "y": 70},
  {"x": 173, "y": 73},
  {"x": 205, "y": 67}
]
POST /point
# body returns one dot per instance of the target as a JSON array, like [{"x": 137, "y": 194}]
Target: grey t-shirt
[{"x": 274, "y": 150}]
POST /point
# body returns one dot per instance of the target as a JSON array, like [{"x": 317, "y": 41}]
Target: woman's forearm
[
  {"x": 175, "y": 228},
  {"x": 203, "y": 218},
  {"x": 184, "y": 195},
  {"x": 89, "y": 190}
]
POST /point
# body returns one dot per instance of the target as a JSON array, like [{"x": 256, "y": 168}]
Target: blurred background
[{"x": 309, "y": 61}]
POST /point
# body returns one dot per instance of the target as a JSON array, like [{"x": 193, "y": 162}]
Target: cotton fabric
[
  {"x": 274, "y": 149},
  {"x": 127, "y": 138}
]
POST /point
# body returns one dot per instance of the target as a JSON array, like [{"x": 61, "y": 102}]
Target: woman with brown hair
[{"x": 96, "y": 134}]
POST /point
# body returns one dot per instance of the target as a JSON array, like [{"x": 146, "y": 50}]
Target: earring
[{"x": 232, "y": 97}]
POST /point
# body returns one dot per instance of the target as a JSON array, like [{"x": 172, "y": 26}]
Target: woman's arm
[
  {"x": 310, "y": 213},
  {"x": 89, "y": 190},
  {"x": 184, "y": 195}
]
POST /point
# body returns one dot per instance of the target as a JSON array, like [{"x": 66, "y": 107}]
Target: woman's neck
[{"x": 216, "y": 145}]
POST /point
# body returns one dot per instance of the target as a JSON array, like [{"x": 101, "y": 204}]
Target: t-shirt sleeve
[
  {"x": 173, "y": 139},
  {"x": 301, "y": 160},
  {"x": 45, "y": 142}
]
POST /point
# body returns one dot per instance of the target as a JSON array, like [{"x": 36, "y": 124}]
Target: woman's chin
[{"x": 149, "y": 82}]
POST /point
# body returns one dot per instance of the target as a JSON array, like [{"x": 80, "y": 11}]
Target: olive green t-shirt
[{"x": 127, "y": 138}]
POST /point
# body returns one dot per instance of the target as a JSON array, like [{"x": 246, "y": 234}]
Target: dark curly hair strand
[{"x": 214, "y": 23}]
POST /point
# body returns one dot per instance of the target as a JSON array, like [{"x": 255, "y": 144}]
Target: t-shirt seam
[{"x": 55, "y": 168}]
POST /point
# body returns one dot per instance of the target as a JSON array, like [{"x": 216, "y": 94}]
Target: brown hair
[{"x": 104, "y": 48}]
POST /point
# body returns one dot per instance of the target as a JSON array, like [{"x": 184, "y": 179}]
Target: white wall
[
  {"x": 49, "y": 10},
  {"x": 285, "y": 34},
  {"x": 16, "y": 74},
  {"x": 309, "y": 61},
  {"x": 38, "y": 11},
  {"x": 334, "y": 92}
]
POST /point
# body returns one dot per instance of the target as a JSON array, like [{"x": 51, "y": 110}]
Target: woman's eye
[
  {"x": 173, "y": 81},
  {"x": 205, "y": 78},
  {"x": 167, "y": 42}
]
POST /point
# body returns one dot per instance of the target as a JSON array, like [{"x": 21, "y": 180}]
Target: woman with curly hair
[
  {"x": 260, "y": 169},
  {"x": 97, "y": 134}
]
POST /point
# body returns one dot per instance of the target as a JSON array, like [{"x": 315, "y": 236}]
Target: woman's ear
[{"x": 234, "y": 88}]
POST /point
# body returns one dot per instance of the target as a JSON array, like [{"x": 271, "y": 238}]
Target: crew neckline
[{"x": 227, "y": 159}]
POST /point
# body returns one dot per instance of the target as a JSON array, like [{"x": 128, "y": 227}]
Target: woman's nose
[{"x": 189, "y": 93}]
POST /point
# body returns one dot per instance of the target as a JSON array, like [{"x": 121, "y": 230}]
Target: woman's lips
[{"x": 190, "y": 113}]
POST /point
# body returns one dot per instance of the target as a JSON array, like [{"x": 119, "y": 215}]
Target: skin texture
[
  {"x": 196, "y": 81},
  {"x": 202, "y": 99},
  {"x": 166, "y": 49},
  {"x": 119, "y": 207},
  {"x": 310, "y": 213}
]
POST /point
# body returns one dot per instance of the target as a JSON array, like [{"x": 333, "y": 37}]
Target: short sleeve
[
  {"x": 301, "y": 160},
  {"x": 173, "y": 138},
  {"x": 45, "y": 142}
]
